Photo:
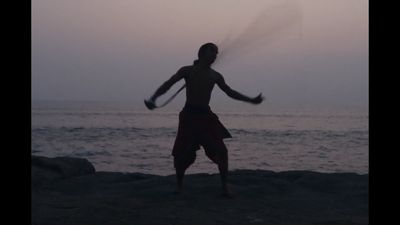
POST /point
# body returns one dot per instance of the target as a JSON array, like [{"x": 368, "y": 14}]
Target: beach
[{"x": 70, "y": 191}]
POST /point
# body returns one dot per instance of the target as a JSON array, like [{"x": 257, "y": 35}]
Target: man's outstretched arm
[
  {"x": 168, "y": 84},
  {"x": 235, "y": 94}
]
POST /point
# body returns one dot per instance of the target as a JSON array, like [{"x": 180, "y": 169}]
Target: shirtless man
[{"x": 198, "y": 125}]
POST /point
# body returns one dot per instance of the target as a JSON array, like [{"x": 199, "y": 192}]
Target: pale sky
[{"x": 305, "y": 53}]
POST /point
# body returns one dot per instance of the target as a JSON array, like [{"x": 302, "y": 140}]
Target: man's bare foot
[
  {"x": 178, "y": 190},
  {"x": 226, "y": 193}
]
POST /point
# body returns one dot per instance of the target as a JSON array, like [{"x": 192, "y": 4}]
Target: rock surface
[
  {"x": 82, "y": 196},
  {"x": 46, "y": 170}
]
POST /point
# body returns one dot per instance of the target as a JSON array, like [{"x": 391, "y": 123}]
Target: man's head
[{"x": 208, "y": 53}]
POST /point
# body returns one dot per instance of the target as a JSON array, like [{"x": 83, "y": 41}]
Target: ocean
[{"x": 124, "y": 139}]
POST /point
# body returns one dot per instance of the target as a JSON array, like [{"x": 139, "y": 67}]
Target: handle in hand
[{"x": 150, "y": 104}]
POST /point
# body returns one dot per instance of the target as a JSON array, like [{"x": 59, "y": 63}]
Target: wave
[
  {"x": 137, "y": 133},
  {"x": 176, "y": 113}
]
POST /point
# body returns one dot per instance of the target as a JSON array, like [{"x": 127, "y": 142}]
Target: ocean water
[{"x": 131, "y": 140}]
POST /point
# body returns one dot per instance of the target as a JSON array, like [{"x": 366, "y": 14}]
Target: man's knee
[
  {"x": 184, "y": 161},
  {"x": 219, "y": 157},
  {"x": 223, "y": 159}
]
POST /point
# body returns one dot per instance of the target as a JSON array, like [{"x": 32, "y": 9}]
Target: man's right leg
[
  {"x": 180, "y": 172},
  {"x": 181, "y": 163}
]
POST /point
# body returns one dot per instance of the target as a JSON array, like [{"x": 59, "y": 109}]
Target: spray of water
[
  {"x": 268, "y": 26},
  {"x": 273, "y": 23}
]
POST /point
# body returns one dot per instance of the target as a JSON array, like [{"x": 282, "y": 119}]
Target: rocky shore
[{"x": 70, "y": 191}]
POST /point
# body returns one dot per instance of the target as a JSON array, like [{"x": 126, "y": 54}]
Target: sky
[{"x": 299, "y": 54}]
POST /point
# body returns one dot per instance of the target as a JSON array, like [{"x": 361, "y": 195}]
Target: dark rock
[{"x": 45, "y": 170}]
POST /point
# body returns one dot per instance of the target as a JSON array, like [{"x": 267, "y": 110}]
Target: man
[{"x": 198, "y": 125}]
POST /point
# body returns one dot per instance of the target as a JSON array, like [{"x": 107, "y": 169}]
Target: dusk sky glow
[{"x": 122, "y": 50}]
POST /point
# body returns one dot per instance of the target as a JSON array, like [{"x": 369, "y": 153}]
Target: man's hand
[
  {"x": 258, "y": 99},
  {"x": 150, "y": 104}
]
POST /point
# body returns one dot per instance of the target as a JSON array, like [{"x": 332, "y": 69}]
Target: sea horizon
[{"x": 120, "y": 138}]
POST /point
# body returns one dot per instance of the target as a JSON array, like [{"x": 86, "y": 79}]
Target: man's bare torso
[{"x": 199, "y": 85}]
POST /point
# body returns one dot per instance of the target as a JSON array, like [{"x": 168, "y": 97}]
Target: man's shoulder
[
  {"x": 186, "y": 68},
  {"x": 216, "y": 74}
]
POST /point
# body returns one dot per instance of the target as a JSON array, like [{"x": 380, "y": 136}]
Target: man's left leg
[
  {"x": 223, "y": 171},
  {"x": 218, "y": 153}
]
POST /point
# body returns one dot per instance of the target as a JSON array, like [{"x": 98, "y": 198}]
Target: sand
[{"x": 260, "y": 197}]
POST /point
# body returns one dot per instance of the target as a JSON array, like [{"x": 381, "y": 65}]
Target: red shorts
[{"x": 199, "y": 128}]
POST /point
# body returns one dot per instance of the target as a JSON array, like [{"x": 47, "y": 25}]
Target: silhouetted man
[{"x": 198, "y": 125}]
